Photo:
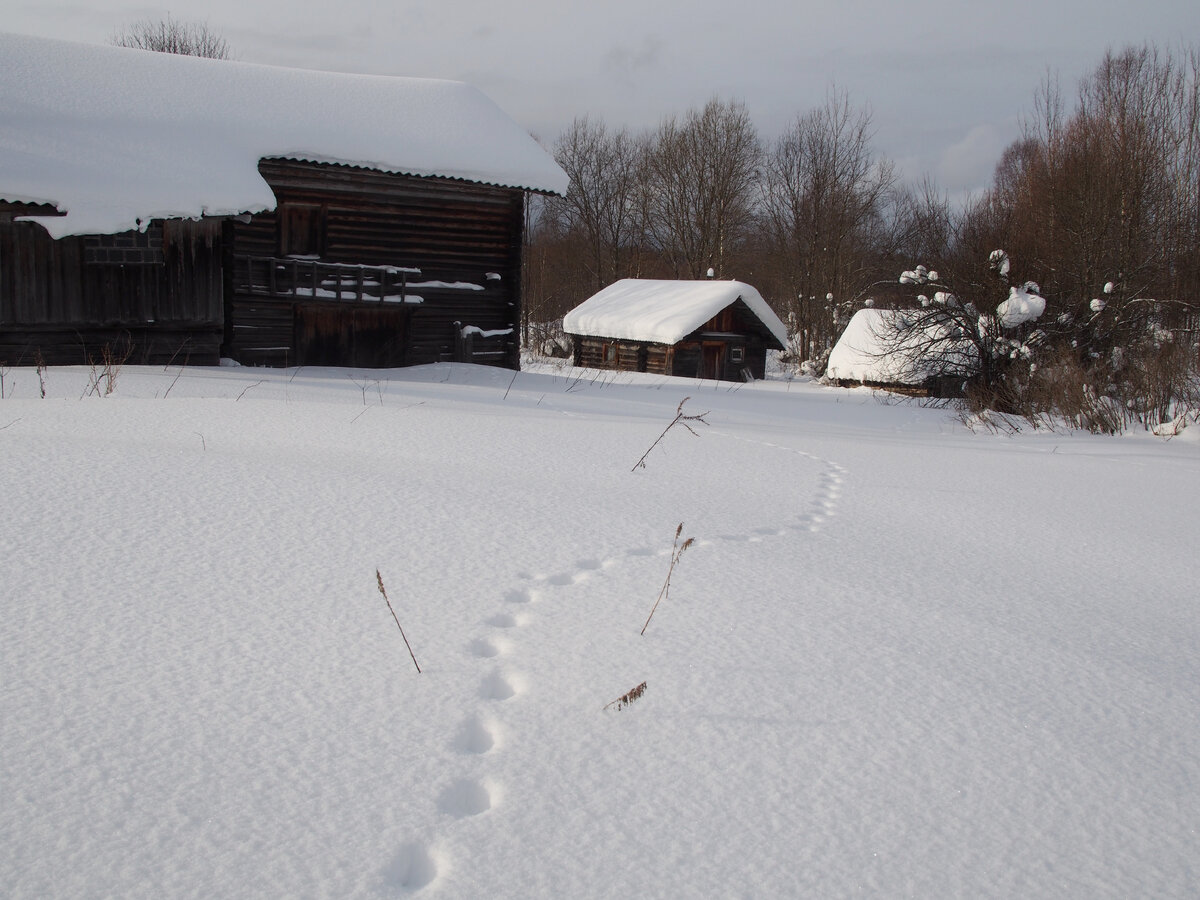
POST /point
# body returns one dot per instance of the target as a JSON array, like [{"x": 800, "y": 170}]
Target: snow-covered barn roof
[
  {"x": 873, "y": 349},
  {"x": 665, "y": 312},
  {"x": 115, "y": 137}
]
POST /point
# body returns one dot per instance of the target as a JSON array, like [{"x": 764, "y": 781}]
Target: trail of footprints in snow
[{"x": 478, "y": 735}]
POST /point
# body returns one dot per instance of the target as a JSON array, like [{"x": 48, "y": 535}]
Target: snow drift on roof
[
  {"x": 115, "y": 137},
  {"x": 872, "y": 350},
  {"x": 664, "y": 312}
]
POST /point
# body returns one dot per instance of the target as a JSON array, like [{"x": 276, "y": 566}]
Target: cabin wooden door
[
  {"x": 712, "y": 359},
  {"x": 366, "y": 337}
]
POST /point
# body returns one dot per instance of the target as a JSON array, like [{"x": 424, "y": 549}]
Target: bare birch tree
[
  {"x": 824, "y": 194},
  {"x": 700, "y": 188},
  {"x": 603, "y": 201}
]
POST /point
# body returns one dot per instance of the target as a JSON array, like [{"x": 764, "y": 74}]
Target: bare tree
[
  {"x": 602, "y": 203},
  {"x": 1109, "y": 192},
  {"x": 1100, "y": 204},
  {"x": 922, "y": 222},
  {"x": 700, "y": 187},
  {"x": 173, "y": 36},
  {"x": 823, "y": 197}
]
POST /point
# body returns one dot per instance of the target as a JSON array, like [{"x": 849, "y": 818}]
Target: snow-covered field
[{"x": 901, "y": 659}]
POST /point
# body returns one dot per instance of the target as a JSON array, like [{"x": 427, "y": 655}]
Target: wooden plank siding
[
  {"x": 180, "y": 290},
  {"x": 453, "y": 231},
  {"x": 156, "y": 293}
]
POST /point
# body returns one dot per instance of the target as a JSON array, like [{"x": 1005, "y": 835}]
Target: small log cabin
[
  {"x": 879, "y": 350},
  {"x": 164, "y": 208},
  {"x": 700, "y": 329}
]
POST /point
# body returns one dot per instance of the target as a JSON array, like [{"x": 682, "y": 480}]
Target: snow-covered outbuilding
[
  {"x": 704, "y": 329},
  {"x": 878, "y": 350},
  {"x": 171, "y": 207}
]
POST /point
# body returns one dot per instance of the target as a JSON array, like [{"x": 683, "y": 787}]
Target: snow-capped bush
[{"x": 1024, "y": 304}]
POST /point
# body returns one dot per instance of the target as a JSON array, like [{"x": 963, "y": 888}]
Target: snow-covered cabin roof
[
  {"x": 872, "y": 349},
  {"x": 114, "y": 136},
  {"x": 664, "y": 312}
]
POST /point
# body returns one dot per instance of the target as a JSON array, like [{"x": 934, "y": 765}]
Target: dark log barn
[
  {"x": 405, "y": 262},
  {"x": 699, "y": 329}
]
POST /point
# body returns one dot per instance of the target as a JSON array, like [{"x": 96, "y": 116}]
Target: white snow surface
[
  {"x": 115, "y": 137},
  {"x": 901, "y": 658},
  {"x": 664, "y": 311},
  {"x": 862, "y": 353}
]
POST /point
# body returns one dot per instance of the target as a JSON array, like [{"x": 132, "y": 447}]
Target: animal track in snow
[
  {"x": 503, "y": 620},
  {"x": 824, "y": 502},
  {"x": 497, "y": 687},
  {"x": 519, "y": 595},
  {"x": 485, "y": 649},
  {"x": 821, "y": 505},
  {"x": 474, "y": 736},
  {"x": 412, "y": 869},
  {"x": 464, "y": 798}
]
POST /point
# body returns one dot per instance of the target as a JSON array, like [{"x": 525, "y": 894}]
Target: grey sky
[{"x": 947, "y": 81}]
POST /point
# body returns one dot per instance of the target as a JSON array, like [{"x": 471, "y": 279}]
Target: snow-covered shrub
[
  {"x": 952, "y": 334},
  {"x": 546, "y": 339}
]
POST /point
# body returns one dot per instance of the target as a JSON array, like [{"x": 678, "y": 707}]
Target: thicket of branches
[
  {"x": 1096, "y": 207},
  {"x": 173, "y": 36}
]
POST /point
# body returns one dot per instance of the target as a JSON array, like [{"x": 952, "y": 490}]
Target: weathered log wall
[
  {"x": 176, "y": 290},
  {"x": 465, "y": 238},
  {"x": 156, "y": 293}
]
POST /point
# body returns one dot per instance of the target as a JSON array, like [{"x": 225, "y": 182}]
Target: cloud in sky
[
  {"x": 946, "y": 79},
  {"x": 969, "y": 162}
]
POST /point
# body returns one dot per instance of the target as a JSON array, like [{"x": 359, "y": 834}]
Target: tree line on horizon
[{"x": 1096, "y": 205}]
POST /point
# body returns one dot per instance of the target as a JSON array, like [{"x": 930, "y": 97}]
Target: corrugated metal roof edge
[{"x": 388, "y": 171}]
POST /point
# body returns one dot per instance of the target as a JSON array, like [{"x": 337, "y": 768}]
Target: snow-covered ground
[{"x": 901, "y": 659}]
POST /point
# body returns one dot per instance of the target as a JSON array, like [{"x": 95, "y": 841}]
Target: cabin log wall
[
  {"x": 153, "y": 297},
  {"x": 454, "y": 232},
  {"x": 734, "y": 327},
  {"x": 172, "y": 293},
  {"x": 630, "y": 356}
]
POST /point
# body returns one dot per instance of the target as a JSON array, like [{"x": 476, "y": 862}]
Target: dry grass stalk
[
  {"x": 41, "y": 371},
  {"x": 113, "y": 360},
  {"x": 677, "y": 550},
  {"x": 680, "y": 419},
  {"x": 383, "y": 590},
  {"x": 627, "y": 698}
]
